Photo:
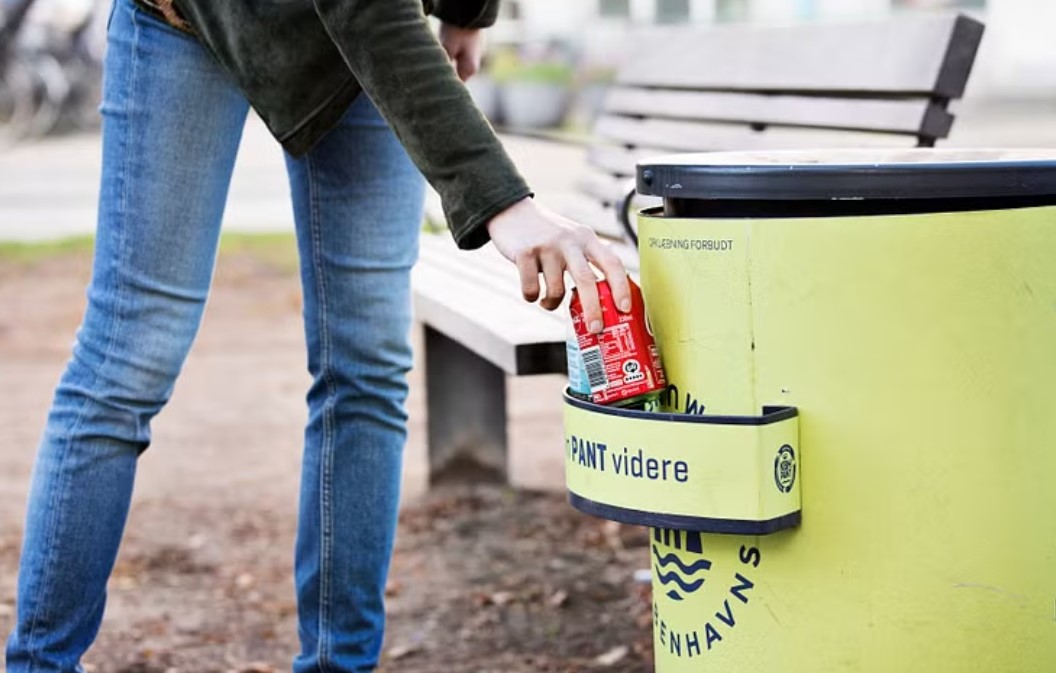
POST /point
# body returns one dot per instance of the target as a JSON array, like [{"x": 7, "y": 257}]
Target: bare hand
[
  {"x": 465, "y": 48},
  {"x": 539, "y": 241}
]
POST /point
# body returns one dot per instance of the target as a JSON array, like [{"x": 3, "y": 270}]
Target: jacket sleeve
[
  {"x": 398, "y": 61},
  {"x": 467, "y": 13}
]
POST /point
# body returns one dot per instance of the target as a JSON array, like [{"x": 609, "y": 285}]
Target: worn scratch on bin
[
  {"x": 772, "y": 614},
  {"x": 991, "y": 588}
]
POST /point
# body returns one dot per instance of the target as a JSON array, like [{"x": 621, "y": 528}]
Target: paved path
[{"x": 48, "y": 189}]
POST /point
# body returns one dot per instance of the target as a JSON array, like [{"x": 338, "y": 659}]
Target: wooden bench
[{"x": 880, "y": 83}]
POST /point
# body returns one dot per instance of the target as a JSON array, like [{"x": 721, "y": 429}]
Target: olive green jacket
[{"x": 300, "y": 63}]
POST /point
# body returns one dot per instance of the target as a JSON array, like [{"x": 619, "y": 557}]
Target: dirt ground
[{"x": 484, "y": 578}]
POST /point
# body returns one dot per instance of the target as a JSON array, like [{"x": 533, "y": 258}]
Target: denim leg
[
  {"x": 358, "y": 205},
  {"x": 172, "y": 124}
]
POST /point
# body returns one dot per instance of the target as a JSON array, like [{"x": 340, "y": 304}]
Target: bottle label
[{"x": 577, "y": 375}]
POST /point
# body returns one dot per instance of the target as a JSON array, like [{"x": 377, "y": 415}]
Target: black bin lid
[{"x": 851, "y": 175}]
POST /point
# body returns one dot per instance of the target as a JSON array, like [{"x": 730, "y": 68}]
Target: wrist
[{"x": 512, "y": 212}]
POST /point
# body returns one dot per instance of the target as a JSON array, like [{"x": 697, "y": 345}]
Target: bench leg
[{"x": 466, "y": 402}]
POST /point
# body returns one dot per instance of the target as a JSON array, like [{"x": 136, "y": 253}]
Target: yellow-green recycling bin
[{"x": 853, "y": 467}]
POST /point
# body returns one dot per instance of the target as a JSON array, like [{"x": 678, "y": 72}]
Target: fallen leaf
[
  {"x": 125, "y": 583},
  {"x": 400, "y": 651},
  {"x": 500, "y": 599},
  {"x": 611, "y": 530},
  {"x": 612, "y": 657},
  {"x": 254, "y": 667},
  {"x": 558, "y": 598}
]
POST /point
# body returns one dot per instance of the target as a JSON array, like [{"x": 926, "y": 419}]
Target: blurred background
[
  {"x": 550, "y": 60},
  {"x": 50, "y": 67},
  {"x": 575, "y": 46},
  {"x": 548, "y": 66}
]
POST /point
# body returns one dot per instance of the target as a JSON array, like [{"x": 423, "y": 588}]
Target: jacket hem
[{"x": 303, "y": 137}]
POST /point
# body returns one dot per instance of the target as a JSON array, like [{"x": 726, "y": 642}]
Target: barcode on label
[{"x": 595, "y": 368}]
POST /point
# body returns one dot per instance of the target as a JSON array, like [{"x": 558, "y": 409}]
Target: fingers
[
  {"x": 587, "y": 283},
  {"x": 539, "y": 242},
  {"x": 588, "y": 297},
  {"x": 455, "y": 58},
  {"x": 554, "y": 276},
  {"x": 605, "y": 259},
  {"x": 464, "y": 47},
  {"x": 449, "y": 45},
  {"x": 455, "y": 52},
  {"x": 552, "y": 265},
  {"x": 528, "y": 268},
  {"x": 467, "y": 64}
]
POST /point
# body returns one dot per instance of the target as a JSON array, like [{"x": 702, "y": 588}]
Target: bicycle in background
[{"x": 50, "y": 67}]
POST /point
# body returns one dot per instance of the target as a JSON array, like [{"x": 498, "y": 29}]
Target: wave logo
[{"x": 675, "y": 574}]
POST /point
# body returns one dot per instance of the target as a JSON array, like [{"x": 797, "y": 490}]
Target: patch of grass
[
  {"x": 276, "y": 250},
  {"x": 509, "y": 66},
  {"x": 433, "y": 226},
  {"x": 27, "y": 253}
]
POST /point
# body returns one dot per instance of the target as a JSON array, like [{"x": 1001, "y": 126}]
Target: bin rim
[
  {"x": 853, "y": 174},
  {"x": 771, "y": 413}
]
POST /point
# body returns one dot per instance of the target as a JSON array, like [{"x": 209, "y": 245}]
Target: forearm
[{"x": 395, "y": 57}]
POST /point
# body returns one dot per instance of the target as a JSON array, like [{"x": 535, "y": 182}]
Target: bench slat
[
  {"x": 680, "y": 136},
  {"x": 925, "y": 55},
  {"x": 485, "y": 265},
  {"x": 618, "y": 160},
  {"x": 918, "y": 117},
  {"x": 607, "y": 189},
  {"x": 488, "y": 267},
  {"x": 515, "y": 336},
  {"x": 589, "y": 211},
  {"x": 611, "y": 190}
]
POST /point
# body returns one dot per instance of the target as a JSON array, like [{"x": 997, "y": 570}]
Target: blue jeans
[{"x": 172, "y": 126}]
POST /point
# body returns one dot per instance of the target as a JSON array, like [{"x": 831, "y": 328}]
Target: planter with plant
[{"x": 532, "y": 94}]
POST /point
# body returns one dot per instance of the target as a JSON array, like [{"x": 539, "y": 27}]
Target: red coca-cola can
[{"x": 622, "y": 363}]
